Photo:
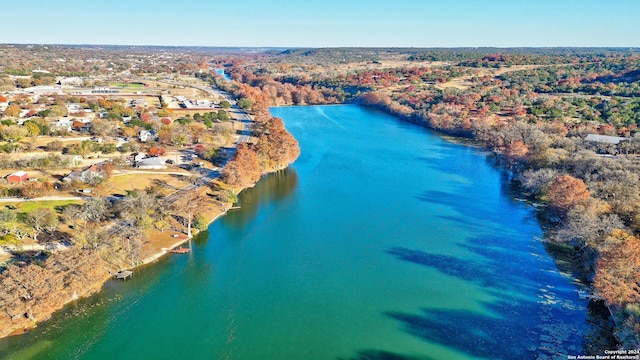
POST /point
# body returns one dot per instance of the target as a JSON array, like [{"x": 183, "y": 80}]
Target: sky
[{"x": 325, "y": 23}]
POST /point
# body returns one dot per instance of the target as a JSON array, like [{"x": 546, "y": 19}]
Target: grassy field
[
  {"x": 29, "y": 206},
  {"x": 23, "y": 208},
  {"x": 120, "y": 184}
]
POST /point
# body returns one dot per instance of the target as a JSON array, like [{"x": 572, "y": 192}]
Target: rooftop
[{"x": 605, "y": 139}]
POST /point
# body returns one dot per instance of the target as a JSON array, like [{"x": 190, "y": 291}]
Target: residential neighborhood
[{"x": 108, "y": 131}]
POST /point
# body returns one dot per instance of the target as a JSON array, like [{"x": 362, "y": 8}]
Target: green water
[{"x": 382, "y": 241}]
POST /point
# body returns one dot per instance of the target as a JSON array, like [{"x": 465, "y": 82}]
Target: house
[
  {"x": 135, "y": 157},
  {"x": 71, "y": 81},
  {"x": 74, "y": 107},
  {"x": 18, "y": 177},
  {"x": 139, "y": 156},
  {"x": 147, "y": 135},
  {"x": 92, "y": 174},
  {"x": 62, "y": 124},
  {"x": 605, "y": 139},
  {"x": 44, "y": 90},
  {"x": 151, "y": 163},
  {"x": 79, "y": 125}
]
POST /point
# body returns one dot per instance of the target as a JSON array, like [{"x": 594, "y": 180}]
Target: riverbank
[
  {"x": 212, "y": 216},
  {"x": 153, "y": 245}
]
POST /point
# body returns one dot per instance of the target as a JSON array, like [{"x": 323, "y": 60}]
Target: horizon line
[{"x": 323, "y": 47}]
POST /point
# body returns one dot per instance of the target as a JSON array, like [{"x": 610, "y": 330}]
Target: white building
[
  {"x": 147, "y": 135},
  {"x": 605, "y": 139},
  {"x": 151, "y": 163},
  {"x": 71, "y": 81},
  {"x": 42, "y": 90}
]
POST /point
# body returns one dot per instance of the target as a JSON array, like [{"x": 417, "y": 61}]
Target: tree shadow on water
[
  {"x": 525, "y": 318},
  {"x": 474, "y": 334},
  {"x": 494, "y": 270}
]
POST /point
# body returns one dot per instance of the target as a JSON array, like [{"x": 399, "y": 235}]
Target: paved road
[{"x": 44, "y": 198}]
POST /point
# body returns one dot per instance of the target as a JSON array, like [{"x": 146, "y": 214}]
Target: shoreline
[
  {"x": 181, "y": 240},
  {"x": 146, "y": 261}
]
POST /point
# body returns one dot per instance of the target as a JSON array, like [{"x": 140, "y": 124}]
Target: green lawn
[
  {"x": 128, "y": 85},
  {"x": 23, "y": 208},
  {"x": 28, "y": 206}
]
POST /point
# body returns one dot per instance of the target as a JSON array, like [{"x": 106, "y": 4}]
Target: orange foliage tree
[
  {"x": 33, "y": 292},
  {"x": 146, "y": 117},
  {"x": 565, "y": 192},
  {"x": 12, "y": 111},
  {"x": 243, "y": 170},
  {"x": 617, "y": 280},
  {"x": 515, "y": 152},
  {"x": 276, "y": 146},
  {"x": 156, "y": 151}
]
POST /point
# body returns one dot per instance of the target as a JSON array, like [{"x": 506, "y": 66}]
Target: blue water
[
  {"x": 224, "y": 74},
  {"x": 383, "y": 241}
]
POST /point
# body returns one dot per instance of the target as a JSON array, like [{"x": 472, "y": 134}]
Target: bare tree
[{"x": 41, "y": 219}]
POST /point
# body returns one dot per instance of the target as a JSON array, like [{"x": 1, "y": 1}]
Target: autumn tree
[
  {"x": 155, "y": 151},
  {"x": 32, "y": 292},
  {"x": 72, "y": 213},
  {"x": 515, "y": 153},
  {"x": 36, "y": 189},
  {"x": 243, "y": 169},
  {"x": 102, "y": 127},
  {"x": 276, "y": 146},
  {"x": 90, "y": 238},
  {"x": 179, "y": 139},
  {"x": 142, "y": 208},
  {"x": 57, "y": 110},
  {"x": 12, "y": 133},
  {"x": 618, "y": 270},
  {"x": 566, "y": 191},
  {"x": 55, "y": 145},
  {"x": 12, "y": 110},
  {"x": 195, "y": 131},
  {"x": 32, "y": 128},
  {"x": 145, "y": 117}
]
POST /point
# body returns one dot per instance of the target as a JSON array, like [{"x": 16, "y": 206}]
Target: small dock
[
  {"x": 123, "y": 274},
  {"x": 235, "y": 208},
  {"x": 180, "y": 250},
  {"x": 583, "y": 295}
]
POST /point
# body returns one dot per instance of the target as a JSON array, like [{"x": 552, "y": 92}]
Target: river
[{"x": 383, "y": 241}]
